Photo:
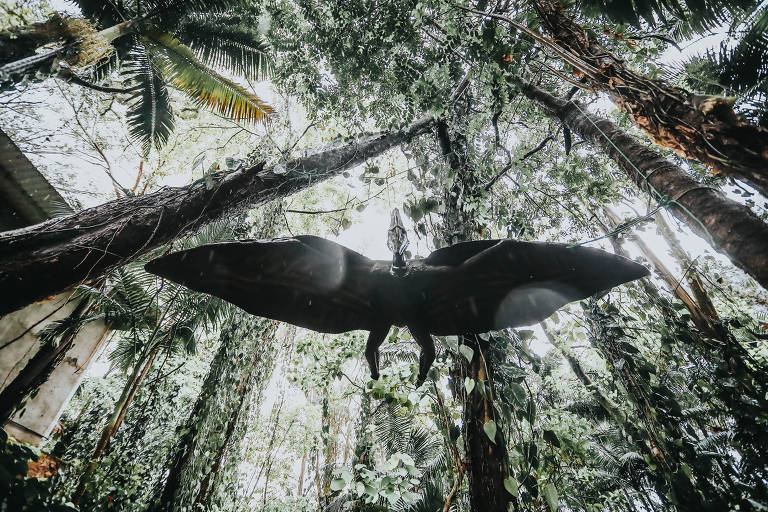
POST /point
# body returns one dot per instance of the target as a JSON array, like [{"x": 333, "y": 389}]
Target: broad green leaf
[
  {"x": 337, "y": 484},
  {"x": 551, "y": 438},
  {"x": 510, "y": 484},
  {"x": 452, "y": 342},
  {"x": 550, "y": 494},
  {"x": 517, "y": 393},
  {"x": 489, "y": 427},
  {"x": 467, "y": 352},
  {"x": 469, "y": 384}
]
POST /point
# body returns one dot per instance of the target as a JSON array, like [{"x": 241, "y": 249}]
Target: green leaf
[
  {"x": 469, "y": 384},
  {"x": 489, "y": 427},
  {"x": 338, "y": 484},
  {"x": 550, "y": 494},
  {"x": 467, "y": 352},
  {"x": 510, "y": 484},
  {"x": 452, "y": 342},
  {"x": 226, "y": 42},
  {"x": 531, "y": 412},
  {"x": 551, "y": 438},
  {"x": 517, "y": 393}
]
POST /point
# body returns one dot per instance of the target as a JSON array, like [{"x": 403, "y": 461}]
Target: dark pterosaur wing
[
  {"x": 457, "y": 254},
  {"x": 516, "y": 283},
  {"x": 306, "y": 280}
]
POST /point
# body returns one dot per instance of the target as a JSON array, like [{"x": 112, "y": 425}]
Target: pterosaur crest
[{"x": 467, "y": 288}]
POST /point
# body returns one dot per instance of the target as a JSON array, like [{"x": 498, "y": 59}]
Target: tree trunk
[
  {"x": 691, "y": 273},
  {"x": 697, "y": 127},
  {"x": 203, "y": 498},
  {"x": 329, "y": 452},
  {"x": 730, "y": 227},
  {"x": 114, "y": 422},
  {"x": 300, "y": 486},
  {"x": 487, "y": 458},
  {"x": 698, "y": 316},
  {"x": 44, "y": 259},
  {"x": 38, "y": 368}
]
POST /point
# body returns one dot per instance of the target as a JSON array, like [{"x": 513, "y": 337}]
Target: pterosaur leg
[
  {"x": 427, "y": 345},
  {"x": 375, "y": 339}
]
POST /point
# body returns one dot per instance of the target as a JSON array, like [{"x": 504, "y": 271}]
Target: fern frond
[{"x": 204, "y": 86}]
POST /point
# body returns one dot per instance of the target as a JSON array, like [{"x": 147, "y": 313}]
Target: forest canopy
[{"x": 133, "y": 129}]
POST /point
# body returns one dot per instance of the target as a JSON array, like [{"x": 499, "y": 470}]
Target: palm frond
[
  {"x": 228, "y": 43},
  {"x": 105, "y": 13},
  {"x": 204, "y": 86},
  {"x": 691, "y": 16},
  {"x": 161, "y": 12},
  {"x": 150, "y": 116}
]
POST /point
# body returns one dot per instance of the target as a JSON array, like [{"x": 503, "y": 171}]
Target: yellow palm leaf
[{"x": 202, "y": 84}]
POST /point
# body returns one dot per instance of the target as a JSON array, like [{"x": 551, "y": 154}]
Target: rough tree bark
[
  {"x": 696, "y": 127},
  {"x": 40, "y": 260},
  {"x": 731, "y": 228},
  {"x": 20, "y": 58},
  {"x": 486, "y": 464}
]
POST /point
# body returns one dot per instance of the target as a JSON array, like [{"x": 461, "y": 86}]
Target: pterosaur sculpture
[{"x": 468, "y": 288}]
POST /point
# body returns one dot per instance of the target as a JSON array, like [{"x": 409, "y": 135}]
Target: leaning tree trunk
[
  {"x": 242, "y": 364},
  {"x": 696, "y": 127},
  {"x": 699, "y": 317},
  {"x": 20, "y": 42},
  {"x": 691, "y": 271},
  {"x": 41, "y": 260},
  {"x": 731, "y": 228},
  {"x": 486, "y": 458}
]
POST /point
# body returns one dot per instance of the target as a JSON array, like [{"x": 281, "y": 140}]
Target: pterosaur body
[{"x": 467, "y": 288}]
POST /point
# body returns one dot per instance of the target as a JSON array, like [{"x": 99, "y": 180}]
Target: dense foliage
[{"x": 652, "y": 397}]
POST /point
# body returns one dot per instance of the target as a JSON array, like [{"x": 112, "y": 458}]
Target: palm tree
[
  {"x": 156, "y": 44},
  {"x": 730, "y": 227},
  {"x": 697, "y": 127}
]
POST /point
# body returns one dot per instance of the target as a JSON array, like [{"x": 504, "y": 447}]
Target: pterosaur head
[{"x": 397, "y": 241}]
